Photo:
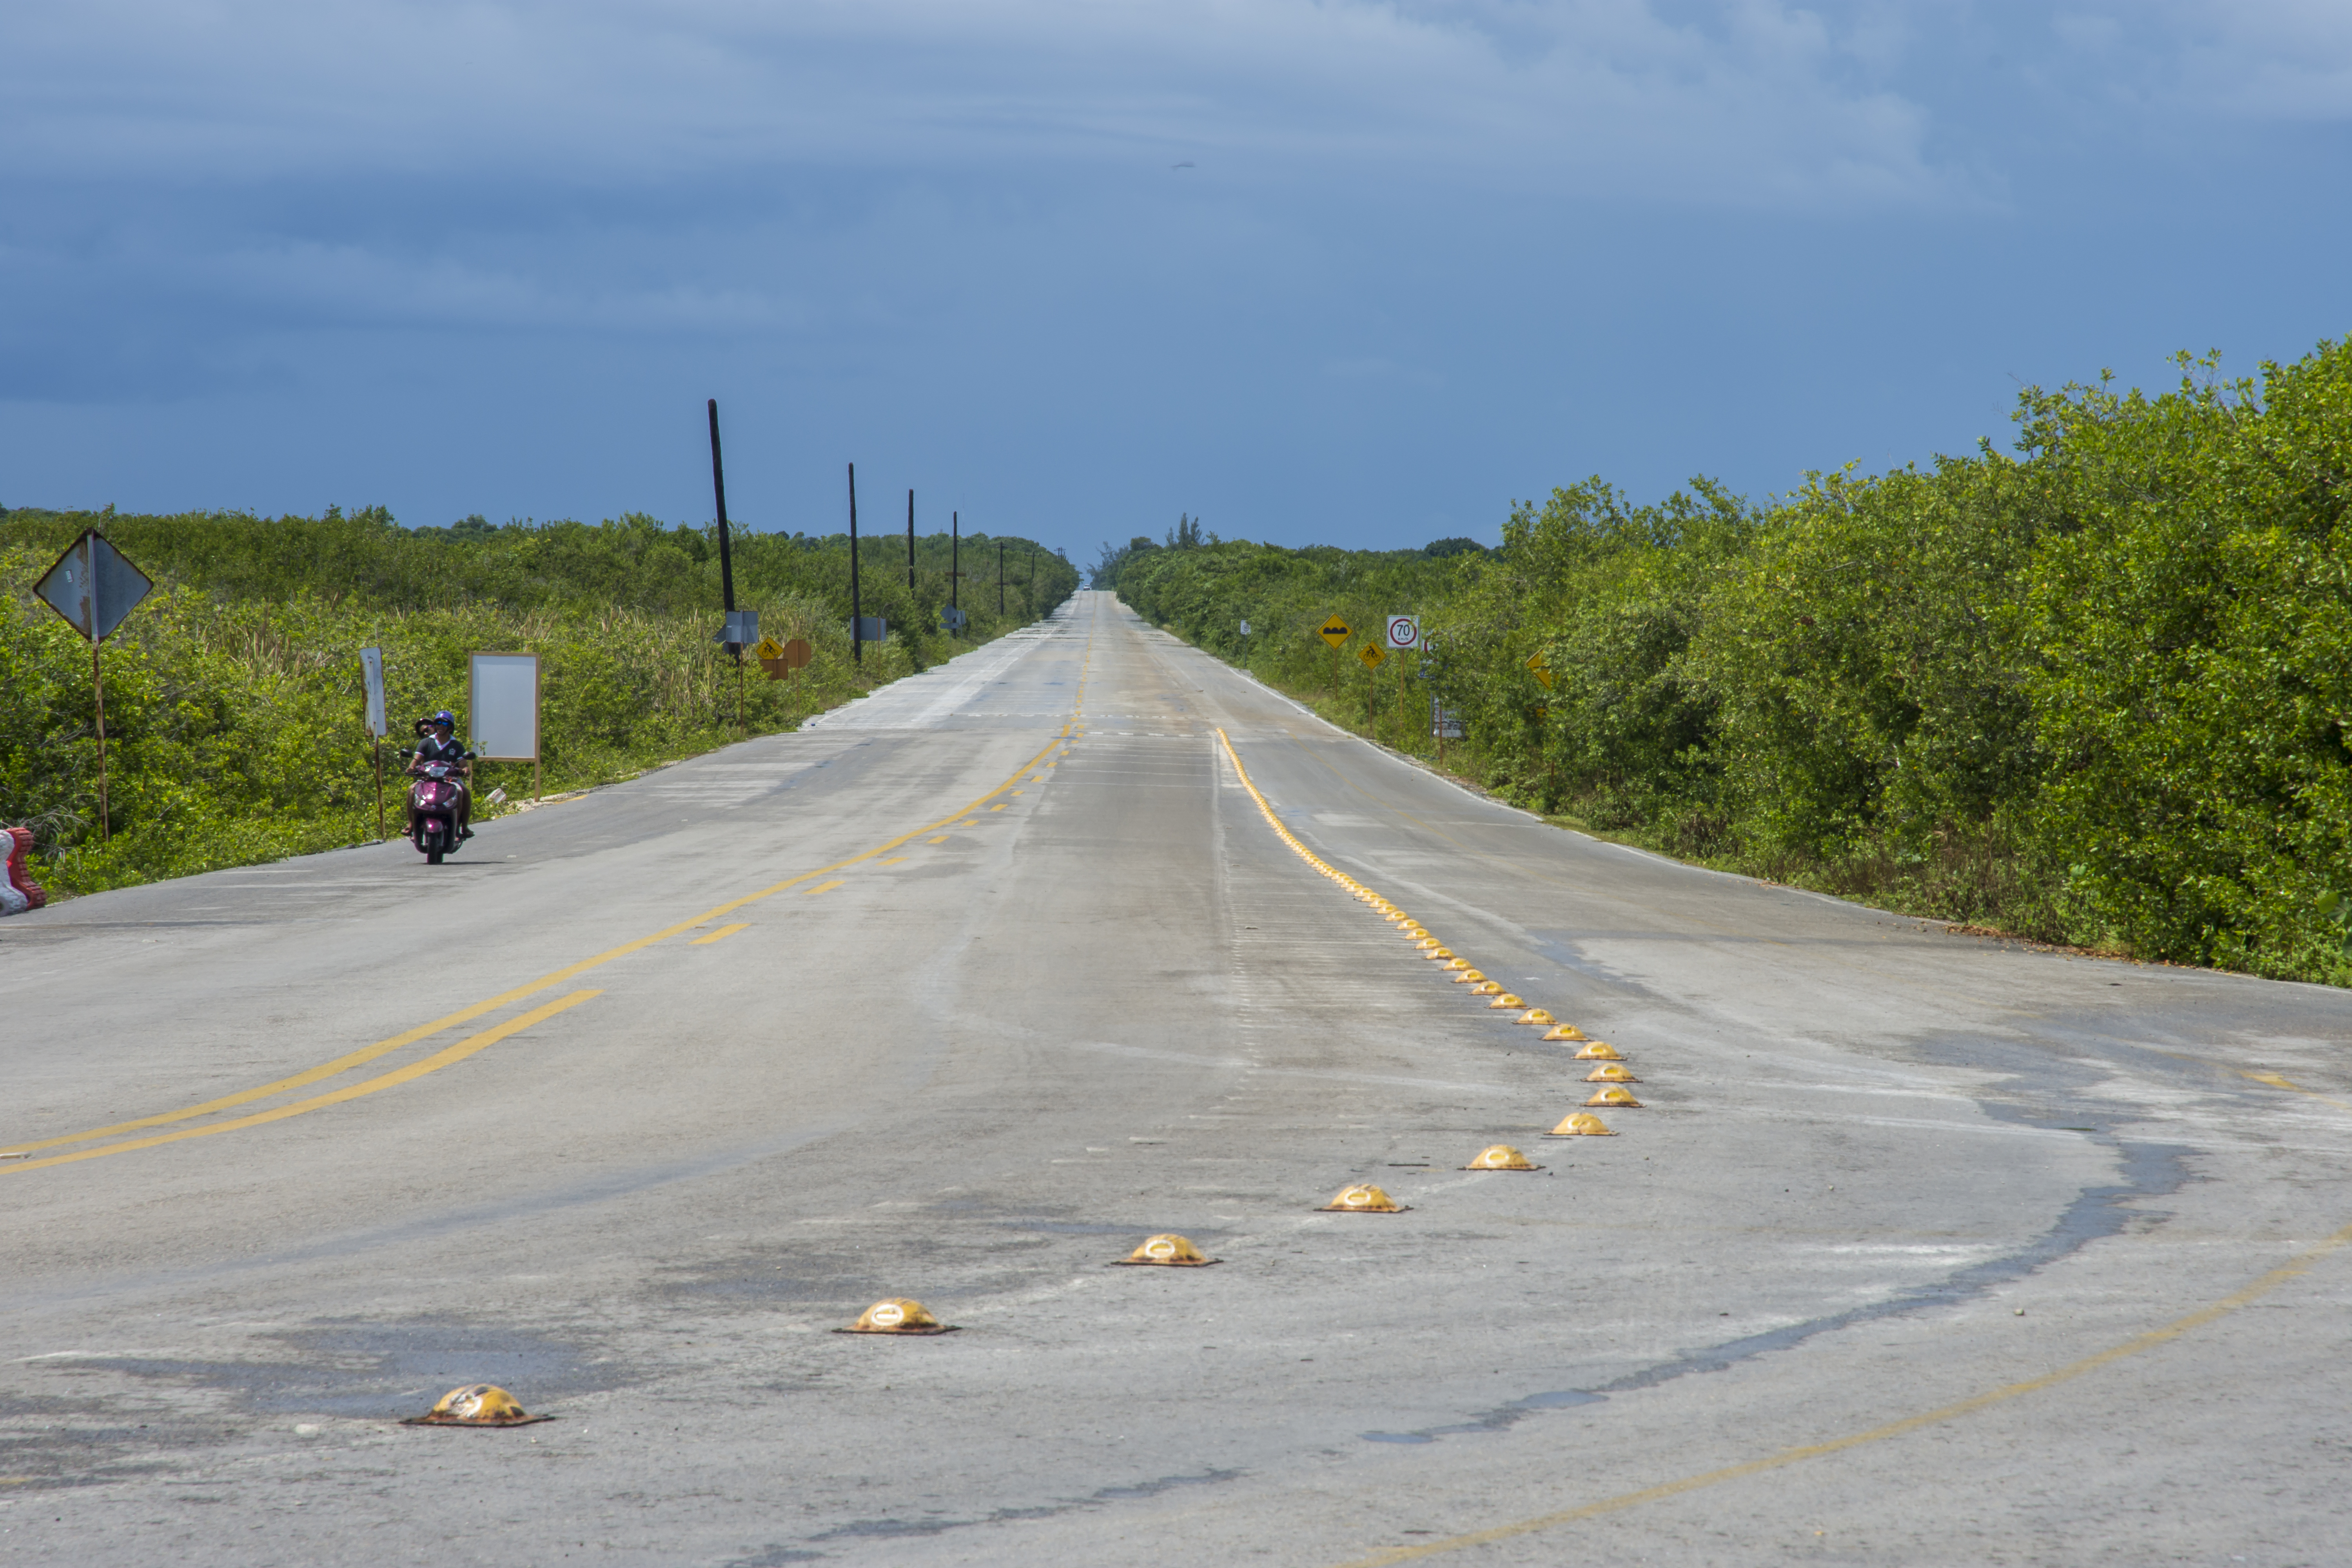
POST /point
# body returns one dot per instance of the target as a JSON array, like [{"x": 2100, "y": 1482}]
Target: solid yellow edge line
[
  {"x": 415, "y": 1070},
  {"x": 2293, "y": 1266},
  {"x": 466, "y": 1015}
]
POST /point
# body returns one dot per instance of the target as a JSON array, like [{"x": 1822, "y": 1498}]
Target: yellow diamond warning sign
[
  {"x": 1541, "y": 670},
  {"x": 1334, "y": 631},
  {"x": 769, "y": 649},
  {"x": 1372, "y": 655}
]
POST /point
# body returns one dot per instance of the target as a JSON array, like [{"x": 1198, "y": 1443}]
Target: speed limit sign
[{"x": 1404, "y": 632}]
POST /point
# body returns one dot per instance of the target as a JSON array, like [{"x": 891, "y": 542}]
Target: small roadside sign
[
  {"x": 1444, "y": 723},
  {"x": 741, "y": 630},
  {"x": 1372, "y": 656},
  {"x": 780, "y": 659},
  {"x": 1404, "y": 632},
  {"x": 950, "y": 618},
  {"x": 1334, "y": 631},
  {"x": 1245, "y": 629},
  {"x": 1541, "y": 670},
  {"x": 372, "y": 675},
  {"x": 93, "y": 587}
]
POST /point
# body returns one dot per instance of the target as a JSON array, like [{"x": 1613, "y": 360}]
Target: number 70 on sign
[{"x": 1403, "y": 632}]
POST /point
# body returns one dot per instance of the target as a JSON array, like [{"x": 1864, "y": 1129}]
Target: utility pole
[
  {"x": 857, "y": 622},
  {"x": 726, "y": 563},
  {"x": 1000, "y": 579},
  {"x": 911, "y": 552},
  {"x": 955, "y": 557}
]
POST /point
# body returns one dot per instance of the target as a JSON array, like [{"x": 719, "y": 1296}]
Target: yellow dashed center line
[
  {"x": 821, "y": 888},
  {"x": 721, "y": 934}
]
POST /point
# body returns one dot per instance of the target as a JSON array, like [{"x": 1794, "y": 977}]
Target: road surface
[{"x": 1920, "y": 1249}]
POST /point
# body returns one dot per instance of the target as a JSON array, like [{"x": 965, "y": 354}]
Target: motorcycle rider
[{"x": 436, "y": 742}]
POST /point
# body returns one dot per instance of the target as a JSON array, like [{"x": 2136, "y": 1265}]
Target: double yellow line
[{"x": 457, "y": 1053}]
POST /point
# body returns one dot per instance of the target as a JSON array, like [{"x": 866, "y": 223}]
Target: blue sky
[{"x": 1336, "y": 272}]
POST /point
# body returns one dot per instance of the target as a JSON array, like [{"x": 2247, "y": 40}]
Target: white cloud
[
  {"x": 2241, "y": 60},
  {"x": 1750, "y": 102}
]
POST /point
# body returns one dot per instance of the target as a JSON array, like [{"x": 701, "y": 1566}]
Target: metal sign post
[
  {"x": 94, "y": 586},
  {"x": 1403, "y": 632},
  {"x": 740, "y": 632},
  {"x": 371, "y": 672}
]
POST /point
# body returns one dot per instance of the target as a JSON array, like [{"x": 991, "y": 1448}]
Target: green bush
[
  {"x": 233, "y": 700},
  {"x": 2095, "y": 692}
]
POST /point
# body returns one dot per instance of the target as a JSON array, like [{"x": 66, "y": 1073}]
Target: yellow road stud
[
  {"x": 1365, "y": 1199},
  {"x": 896, "y": 1315},
  {"x": 1611, "y": 1072},
  {"x": 1501, "y": 1157},
  {"x": 1465, "y": 975},
  {"x": 1598, "y": 1051},
  {"x": 1168, "y": 1252},
  {"x": 1534, "y": 1016},
  {"x": 477, "y": 1404},
  {"x": 1616, "y": 1098},
  {"x": 1582, "y": 1124},
  {"x": 1439, "y": 952},
  {"x": 1566, "y": 1032},
  {"x": 1487, "y": 988},
  {"x": 1507, "y": 1000}
]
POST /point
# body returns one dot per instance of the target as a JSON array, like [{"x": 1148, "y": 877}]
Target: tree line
[{"x": 2093, "y": 690}]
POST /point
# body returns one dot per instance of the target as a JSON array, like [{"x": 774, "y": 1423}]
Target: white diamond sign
[{"x": 93, "y": 587}]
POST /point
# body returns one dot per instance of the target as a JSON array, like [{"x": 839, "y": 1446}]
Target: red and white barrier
[{"x": 18, "y": 892}]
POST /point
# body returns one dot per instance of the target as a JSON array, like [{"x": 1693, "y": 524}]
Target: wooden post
[
  {"x": 911, "y": 552},
  {"x": 378, "y": 742},
  {"x": 98, "y": 686}
]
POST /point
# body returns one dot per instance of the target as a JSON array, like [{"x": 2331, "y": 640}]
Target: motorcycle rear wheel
[{"x": 433, "y": 856}]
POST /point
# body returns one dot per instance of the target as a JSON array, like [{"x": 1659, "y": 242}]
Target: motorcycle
[{"x": 435, "y": 802}]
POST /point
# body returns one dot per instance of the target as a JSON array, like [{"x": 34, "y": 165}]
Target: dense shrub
[{"x": 2096, "y": 692}]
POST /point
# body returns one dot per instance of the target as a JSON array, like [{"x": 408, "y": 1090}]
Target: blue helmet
[{"x": 445, "y": 717}]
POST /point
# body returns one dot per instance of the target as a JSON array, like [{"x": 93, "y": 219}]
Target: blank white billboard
[{"x": 503, "y": 716}]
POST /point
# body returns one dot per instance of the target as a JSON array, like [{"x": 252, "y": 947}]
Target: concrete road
[{"x": 1921, "y": 1248}]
